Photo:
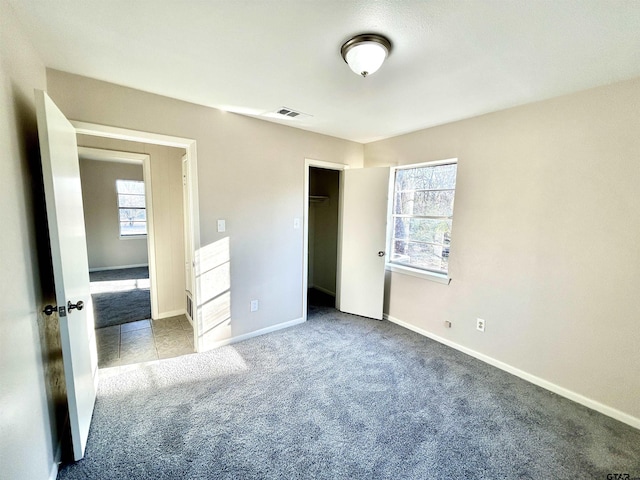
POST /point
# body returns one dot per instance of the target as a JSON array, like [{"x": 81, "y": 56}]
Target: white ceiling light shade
[{"x": 365, "y": 53}]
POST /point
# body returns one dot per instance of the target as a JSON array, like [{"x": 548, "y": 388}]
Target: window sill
[
  {"x": 133, "y": 237},
  {"x": 414, "y": 272}
]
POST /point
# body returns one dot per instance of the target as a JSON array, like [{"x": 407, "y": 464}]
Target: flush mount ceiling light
[{"x": 365, "y": 53}]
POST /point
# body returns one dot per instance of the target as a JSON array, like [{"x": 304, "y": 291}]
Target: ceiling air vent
[{"x": 286, "y": 112}]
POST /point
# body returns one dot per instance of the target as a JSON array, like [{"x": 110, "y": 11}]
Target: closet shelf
[{"x": 317, "y": 198}]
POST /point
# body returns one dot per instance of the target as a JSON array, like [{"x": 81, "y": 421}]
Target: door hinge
[{"x": 50, "y": 309}]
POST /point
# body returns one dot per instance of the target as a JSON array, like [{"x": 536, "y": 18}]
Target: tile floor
[{"x": 143, "y": 341}]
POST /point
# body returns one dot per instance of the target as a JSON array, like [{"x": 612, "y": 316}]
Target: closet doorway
[{"x": 322, "y": 239}]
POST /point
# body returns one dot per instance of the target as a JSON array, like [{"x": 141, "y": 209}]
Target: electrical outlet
[
  {"x": 480, "y": 324},
  {"x": 254, "y": 305},
  {"x": 447, "y": 324}
]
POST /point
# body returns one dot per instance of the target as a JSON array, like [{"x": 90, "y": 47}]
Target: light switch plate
[{"x": 296, "y": 223}]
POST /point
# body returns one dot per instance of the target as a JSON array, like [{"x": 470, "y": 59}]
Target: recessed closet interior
[{"x": 324, "y": 196}]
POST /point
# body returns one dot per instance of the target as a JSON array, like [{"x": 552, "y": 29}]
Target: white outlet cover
[
  {"x": 222, "y": 225},
  {"x": 296, "y": 223},
  {"x": 254, "y": 305},
  {"x": 480, "y": 324}
]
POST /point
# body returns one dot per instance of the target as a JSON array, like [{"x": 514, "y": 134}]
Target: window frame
[
  {"x": 439, "y": 277},
  {"x": 118, "y": 208}
]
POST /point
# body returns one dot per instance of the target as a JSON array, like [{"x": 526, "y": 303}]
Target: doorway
[
  {"x": 324, "y": 195},
  {"x": 116, "y": 236},
  {"x": 136, "y": 241}
]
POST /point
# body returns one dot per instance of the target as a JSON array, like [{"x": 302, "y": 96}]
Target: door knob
[
  {"x": 71, "y": 306},
  {"x": 381, "y": 253}
]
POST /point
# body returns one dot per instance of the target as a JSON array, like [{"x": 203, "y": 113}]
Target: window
[
  {"x": 132, "y": 213},
  {"x": 422, "y": 216}
]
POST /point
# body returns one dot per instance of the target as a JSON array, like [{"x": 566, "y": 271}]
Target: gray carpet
[
  {"x": 118, "y": 307},
  {"x": 343, "y": 397}
]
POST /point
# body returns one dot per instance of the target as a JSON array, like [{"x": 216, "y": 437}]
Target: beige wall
[
  {"x": 545, "y": 240},
  {"x": 104, "y": 246},
  {"x": 168, "y": 219},
  {"x": 250, "y": 173},
  {"x": 323, "y": 229},
  {"x": 168, "y": 238},
  {"x": 31, "y": 380}
]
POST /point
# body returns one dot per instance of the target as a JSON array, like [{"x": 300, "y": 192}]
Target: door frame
[
  {"x": 308, "y": 163},
  {"x": 97, "y": 130},
  {"x": 144, "y": 160},
  {"x": 188, "y": 235}
]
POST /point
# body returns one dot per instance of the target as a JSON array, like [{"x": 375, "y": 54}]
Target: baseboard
[
  {"x": 173, "y": 313},
  {"x": 53, "y": 474},
  {"x": 552, "y": 387},
  {"x": 257, "y": 333},
  {"x": 102, "y": 269},
  {"x": 57, "y": 456},
  {"x": 324, "y": 290}
]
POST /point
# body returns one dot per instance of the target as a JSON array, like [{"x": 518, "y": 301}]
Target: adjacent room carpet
[
  {"x": 343, "y": 397},
  {"x": 121, "y": 298}
]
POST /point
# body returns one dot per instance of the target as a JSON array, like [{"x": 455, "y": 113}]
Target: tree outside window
[{"x": 422, "y": 216}]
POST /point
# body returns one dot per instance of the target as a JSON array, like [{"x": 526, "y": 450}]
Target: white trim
[
  {"x": 190, "y": 146},
  {"x": 53, "y": 473},
  {"x": 57, "y": 459},
  {"x": 552, "y": 387},
  {"x": 134, "y": 237},
  {"x": 173, "y": 313},
  {"x": 116, "y": 156},
  {"x": 101, "y": 269},
  {"x": 434, "y": 163},
  {"x": 414, "y": 272},
  {"x": 151, "y": 239},
  {"x": 308, "y": 163},
  {"x": 323, "y": 290},
  {"x": 257, "y": 333},
  {"x": 97, "y": 130}
]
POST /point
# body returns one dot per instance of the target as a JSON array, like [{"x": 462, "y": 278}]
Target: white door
[
  {"x": 65, "y": 217},
  {"x": 364, "y": 233}
]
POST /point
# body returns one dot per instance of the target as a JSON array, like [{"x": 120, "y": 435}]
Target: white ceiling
[{"x": 451, "y": 59}]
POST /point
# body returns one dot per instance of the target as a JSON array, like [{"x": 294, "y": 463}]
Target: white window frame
[
  {"x": 444, "y": 278},
  {"x": 136, "y": 236}
]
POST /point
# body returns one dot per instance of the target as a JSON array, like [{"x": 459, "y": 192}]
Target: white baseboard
[
  {"x": 173, "y": 313},
  {"x": 57, "y": 458},
  {"x": 324, "y": 290},
  {"x": 53, "y": 474},
  {"x": 102, "y": 269},
  {"x": 564, "y": 392},
  {"x": 257, "y": 333}
]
